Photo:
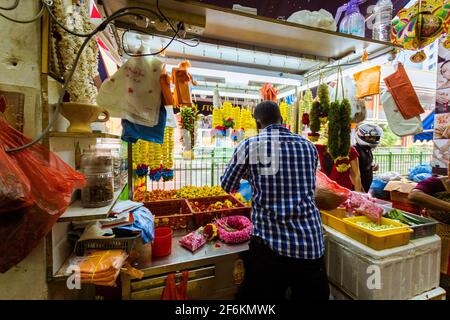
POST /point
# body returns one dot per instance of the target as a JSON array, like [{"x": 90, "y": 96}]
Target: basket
[
  {"x": 333, "y": 220},
  {"x": 203, "y": 218},
  {"x": 127, "y": 244},
  {"x": 174, "y": 213},
  {"x": 378, "y": 240}
]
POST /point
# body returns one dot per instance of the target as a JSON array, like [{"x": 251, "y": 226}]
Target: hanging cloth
[
  {"x": 134, "y": 91},
  {"x": 172, "y": 291},
  {"x": 367, "y": 82},
  {"x": 181, "y": 78},
  {"x": 403, "y": 93},
  {"x": 132, "y": 132}
]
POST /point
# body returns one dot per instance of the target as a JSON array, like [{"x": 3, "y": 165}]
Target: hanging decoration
[
  {"x": 181, "y": 78},
  {"x": 305, "y": 109},
  {"x": 187, "y": 122},
  {"x": 284, "y": 112},
  {"x": 339, "y": 130},
  {"x": 155, "y": 155},
  {"x": 314, "y": 118},
  {"x": 217, "y": 102},
  {"x": 167, "y": 154},
  {"x": 418, "y": 26},
  {"x": 268, "y": 92},
  {"x": 324, "y": 100}
]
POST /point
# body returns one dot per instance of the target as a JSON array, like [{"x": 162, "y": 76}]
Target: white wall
[{"x": 20, "y": 67}]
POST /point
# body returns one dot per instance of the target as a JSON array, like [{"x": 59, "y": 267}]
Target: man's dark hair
[{"x": 267, "y": 113}]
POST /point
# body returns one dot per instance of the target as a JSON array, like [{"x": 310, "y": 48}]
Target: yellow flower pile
[
  {"x": 247, "y": 120},
  {"x": 284, "y": 111},
  {"x": 217, "y": 119},
  {"x": 189, "y": 192}
]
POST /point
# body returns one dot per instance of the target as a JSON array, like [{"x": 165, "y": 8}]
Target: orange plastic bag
[
  {"x": 15, "y": 189},
  {"x": 172, "y": 291},
  {"x": 181, "y": 78},
  {"x": 367, "y": 82},
  {"x": 268, "y": 92},
  {"x": 329, "y": 194},
  {"x": 403, "y": 93},
  {"x": 52, "y": 182}
]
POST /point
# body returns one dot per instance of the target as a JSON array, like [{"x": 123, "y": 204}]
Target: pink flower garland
[{"x": 242, "y": 229}]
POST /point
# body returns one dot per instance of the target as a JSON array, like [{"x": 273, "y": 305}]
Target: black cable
[
  {"x": 183, "y": 41},
  {"x": 12, "y": 7},
  {"x": 37, "y": 17}
]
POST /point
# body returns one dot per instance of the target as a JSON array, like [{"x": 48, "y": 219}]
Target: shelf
[
  {"x": 76, "y": 211},
  {"x": 80, "y": 135},
  {"x": 237, "y": 29}
]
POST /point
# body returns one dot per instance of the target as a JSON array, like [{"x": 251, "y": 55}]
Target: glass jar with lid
[{"x": 97, "y": 166}]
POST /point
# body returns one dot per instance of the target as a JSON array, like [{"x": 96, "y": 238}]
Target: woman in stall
[{"x": 350, "y": 178}]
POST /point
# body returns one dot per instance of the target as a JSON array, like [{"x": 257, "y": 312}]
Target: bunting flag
[{"x": 94, "y": 13}]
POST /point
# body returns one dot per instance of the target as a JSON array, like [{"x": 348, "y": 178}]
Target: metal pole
[{"x": 130, "y": 170}]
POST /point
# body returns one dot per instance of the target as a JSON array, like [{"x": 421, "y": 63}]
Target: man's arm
[
  {"x": 237, "y": 168},
  {"x": 421, "y": 198}
]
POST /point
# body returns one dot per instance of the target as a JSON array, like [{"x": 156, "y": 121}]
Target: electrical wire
[
  {"x": 12, "y": 7},
  {"x": 37, "y": 17}
]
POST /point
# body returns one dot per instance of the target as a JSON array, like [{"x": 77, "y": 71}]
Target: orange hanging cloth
[
  {"x": 367, "y": 82},
  {"x": 403, "y": 93},
  {"x": 181, "y": 78},
  {"x": 172, "y": 291},
  {"x": 268, "y": 92},
  {"x": 164, "y": 81}
]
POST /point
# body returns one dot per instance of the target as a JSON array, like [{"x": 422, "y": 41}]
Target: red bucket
[{"x": 162, "y": 245}]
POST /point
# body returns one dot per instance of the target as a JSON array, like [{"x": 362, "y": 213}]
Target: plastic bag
[
  {"x": 368, "y": 82},
  {"x": 15, "y": 189},
  {"x": 143, "y": 221},
  {"x": 420, "y": 172},
  {"x": 193, "y": 240},
  {"x": 52, "y": 183},
  {"x": 100, "y": 267},
  {"x": 362, "y": 204},
  {"x": 172, "y": 291},
  {"x": 245, "y": 189},
  {"x": 320, "y": 19},
  {"x": 329, "y": 194}
]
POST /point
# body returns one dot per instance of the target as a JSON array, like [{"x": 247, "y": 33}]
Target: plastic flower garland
[
  {"x": 234, "y": 229},
  {"x": 155, "y": 161}
]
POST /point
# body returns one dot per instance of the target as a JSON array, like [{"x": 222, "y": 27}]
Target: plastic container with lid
[
  {"x": 96, "y": 165},
  {"x": 117, "y": 169}
]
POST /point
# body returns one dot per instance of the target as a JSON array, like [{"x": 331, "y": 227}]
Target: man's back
[{"x": 281, "y": 167}]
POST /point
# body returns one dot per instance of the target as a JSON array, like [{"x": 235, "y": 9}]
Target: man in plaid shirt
[{"x": 286, "y": 248}]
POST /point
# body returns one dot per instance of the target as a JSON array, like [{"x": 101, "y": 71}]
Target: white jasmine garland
[{"x": 81, "y": 88}]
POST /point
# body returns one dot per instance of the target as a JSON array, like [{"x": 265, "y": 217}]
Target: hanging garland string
[
  {"x": 324, "y": 99},
  {"x": 167, "y": 154}
]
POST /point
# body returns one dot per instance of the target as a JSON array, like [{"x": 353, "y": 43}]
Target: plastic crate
[
  {"x": 333, "y": 219},
  {"x": 378, "y": 240},
  {"x": 202, "y": 218},
  {"x": 425, "y": 229},
  {"x": 127, "y": 244},
  {"x": 174, "y": 213}
]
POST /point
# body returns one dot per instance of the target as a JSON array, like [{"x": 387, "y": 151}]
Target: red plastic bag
[
  {"x": 329, "y": 194},
  {"x": 172, "y": 291},
  {"x": 15, "y": 189},
  {"x": 52, "y": 182}
]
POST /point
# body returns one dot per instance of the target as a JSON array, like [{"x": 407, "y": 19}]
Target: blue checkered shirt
[{"x": 284, "y": 213}]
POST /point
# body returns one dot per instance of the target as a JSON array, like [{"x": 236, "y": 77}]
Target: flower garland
[
  {"x": 76, "y": 18},
  {"x": 324, "y": 99},
  {"x": 209, "y": 231},
  {"x": 188, "y": 117},
  {"x": 155, "y": 155},
  {"x": 305, "y": 108},
  {"x": 167, "y": 154},
  {"x": 234, "y": 229},
  {"x": 314, "y": 118}
]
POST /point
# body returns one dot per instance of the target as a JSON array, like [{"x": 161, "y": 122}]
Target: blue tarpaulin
[{"x": 428, "y": 128}]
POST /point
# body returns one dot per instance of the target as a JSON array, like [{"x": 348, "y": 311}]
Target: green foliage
[
  {"x": 389, "y": 138},
  {"x": 339, "y": 128}
]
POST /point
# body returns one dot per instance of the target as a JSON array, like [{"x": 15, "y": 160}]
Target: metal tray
[{"x": 428, "y": 228}]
